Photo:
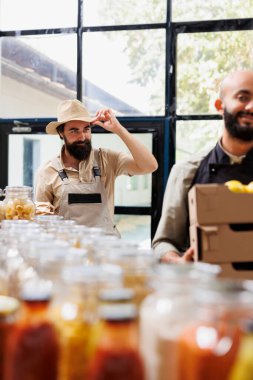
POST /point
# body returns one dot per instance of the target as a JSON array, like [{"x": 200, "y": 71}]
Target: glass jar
[
  {"x": 8, "y": 309},
  {"x": 18, "y": 203},
  {"x": 137, "y": 265},
  {"x": 208, "y": 347},
  {"x": 116, "y": 355},
  {"x": 32, "y": 348},
  {"x": 74, "y": 311},
  {"x": 243, "y": 366},
  {"x": 165, "y": 313},
  {"x": 2, "y": 211}
]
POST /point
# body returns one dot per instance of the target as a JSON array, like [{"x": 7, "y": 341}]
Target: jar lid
[
  {"x": 36, "y": 290},
  {"x": 92, "y": 274},
  {"x": 116, "y": 295},
  {"x": 118, "y": 312}
]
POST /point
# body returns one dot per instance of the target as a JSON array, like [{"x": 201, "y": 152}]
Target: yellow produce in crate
[{"x": 236, "y": 186}]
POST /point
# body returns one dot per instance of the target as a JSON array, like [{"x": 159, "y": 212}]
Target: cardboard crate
[
  {"x": 212, "y": 204},
  {"x": 220, "y": 244},
  {"x": 237, "y": 271}
]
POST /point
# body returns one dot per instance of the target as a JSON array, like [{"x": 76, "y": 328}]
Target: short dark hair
[{"x": 60, "y": 129}]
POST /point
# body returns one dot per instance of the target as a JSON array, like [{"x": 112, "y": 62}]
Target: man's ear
[{"x": 219, "y": 106}]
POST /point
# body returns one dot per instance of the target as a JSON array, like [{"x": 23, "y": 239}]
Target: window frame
[{"x": 163, "y": 128}]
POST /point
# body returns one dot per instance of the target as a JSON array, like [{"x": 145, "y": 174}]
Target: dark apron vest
[{"x": 216, "y": 168}]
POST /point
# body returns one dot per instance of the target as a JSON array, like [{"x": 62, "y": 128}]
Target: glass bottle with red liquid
[
  {"x": 32, "y": 345},
  {"x": 116, "y": 355}
]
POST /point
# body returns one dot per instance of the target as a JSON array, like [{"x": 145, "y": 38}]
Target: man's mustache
[
  {"x": 244, "y": 113},
  {"x": 81, "y": 143}
]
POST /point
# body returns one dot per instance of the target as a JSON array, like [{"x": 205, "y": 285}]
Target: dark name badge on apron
[{"x": 84, "y": 198}]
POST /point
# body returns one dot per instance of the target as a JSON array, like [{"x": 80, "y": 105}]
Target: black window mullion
[{"x": 79, "y": 71}]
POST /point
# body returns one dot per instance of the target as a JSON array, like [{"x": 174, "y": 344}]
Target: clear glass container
[
  {"x": 74, "y": 311},
  {"x": 32, "y": 348},
  {"x": 2, "y": 211},
  {"x": 8, "y": 312},
  {"x": 137, "y": 264},
  {"x": 116, "y": 354},
  {"x": 18, "y": 203},
  {"x": 208, "y": 347},
  {"x": 165, "y": 313},
  {"x": 243, "y": 366}
]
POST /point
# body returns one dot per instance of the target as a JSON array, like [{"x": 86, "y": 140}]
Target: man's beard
[
  {"x": 240, "y": 132},
  {"x": 79, "y": 150}
]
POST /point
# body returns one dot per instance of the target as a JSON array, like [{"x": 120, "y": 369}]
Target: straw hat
[{"x": 69, "y": 110}]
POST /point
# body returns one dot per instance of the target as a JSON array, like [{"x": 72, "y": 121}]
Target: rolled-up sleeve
[{"x": 172, "y": 230}]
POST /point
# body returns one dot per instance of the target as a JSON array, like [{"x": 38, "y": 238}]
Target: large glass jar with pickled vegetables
[
  {"x": 18, "y": 203},
  {"x": 208, "y": 347}
]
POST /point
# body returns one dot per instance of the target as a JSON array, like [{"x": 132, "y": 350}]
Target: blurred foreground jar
[
  {"x": 8, "y": 312},
  {"x": 208, "y": 347},
  {"x": 116, "y": 355},
  {"x": 18, "y": 203},
  {"x": 137, "y": 265},
  {"x": 32, "y": 345},
  {"x": 166, "y": 312},
  {"x": 74, "y": 311},
  {"x": 243, "y": 366}
]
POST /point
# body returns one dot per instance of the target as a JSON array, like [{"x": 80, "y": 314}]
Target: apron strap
[
  {"x": 96, "y": 168},
  {"x": 62, "y": 172}
]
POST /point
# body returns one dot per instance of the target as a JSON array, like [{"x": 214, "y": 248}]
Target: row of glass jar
[
  {"x": 86, "y": 333},
  {"x": 188, "y": 325}
]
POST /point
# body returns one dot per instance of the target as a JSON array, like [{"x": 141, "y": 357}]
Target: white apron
[{"x": 86, "y": 203}]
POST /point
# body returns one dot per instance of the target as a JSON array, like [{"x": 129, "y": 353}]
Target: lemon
[
  {"x": 250, "y": 187},
  {"x": 236, "y": 186}
]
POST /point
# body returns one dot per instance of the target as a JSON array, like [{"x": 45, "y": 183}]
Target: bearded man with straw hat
[{"x": 79, "y": 183}]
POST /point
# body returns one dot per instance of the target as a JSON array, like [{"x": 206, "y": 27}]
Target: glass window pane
[
  {"x": 125, "y": 71},
  {"x": 204, "y": 59},
  {"x": 28, "y": 152},
  {"x": 196, "y": 136},
  {"x": 22, "y": 165},
  {"x": 185, "y": 10},
  {"x": 36, "y": 73},
  {"x": 32, "y": 14},
  {"x": 113, "y": 12},
  {"x": 135, "y": 228}
]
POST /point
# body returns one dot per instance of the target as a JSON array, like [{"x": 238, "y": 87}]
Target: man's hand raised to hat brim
[{"x": 106, "y": 119}]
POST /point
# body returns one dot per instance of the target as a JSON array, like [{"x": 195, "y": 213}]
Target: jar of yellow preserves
[{"x": 18, "y": 203}]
